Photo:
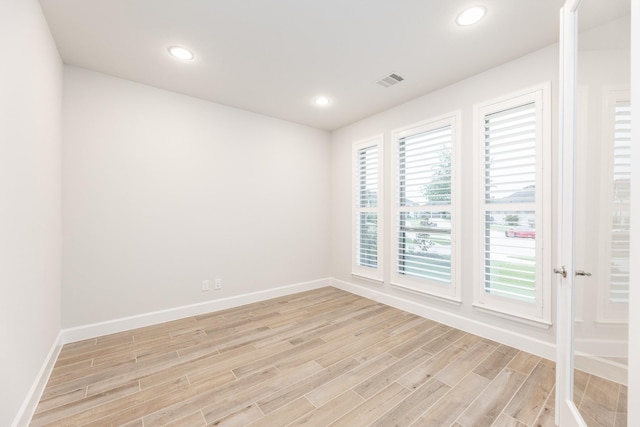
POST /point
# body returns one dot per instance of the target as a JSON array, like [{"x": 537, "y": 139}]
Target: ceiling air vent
[{"x": 390, "y": 80}]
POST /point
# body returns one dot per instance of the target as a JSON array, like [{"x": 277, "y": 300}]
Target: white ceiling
[{"x": 275, "y": 56}]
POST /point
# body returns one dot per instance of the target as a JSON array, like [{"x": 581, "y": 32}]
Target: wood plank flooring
[{"x": 318, "y": 358}]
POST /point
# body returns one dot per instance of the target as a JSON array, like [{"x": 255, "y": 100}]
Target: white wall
[
  {"x": 30, "y": 138},
  {"x": 533, "y": 69},
  {"x": 163, "y": 190}
]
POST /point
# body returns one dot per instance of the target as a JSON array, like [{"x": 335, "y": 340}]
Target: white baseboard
[
  {"x": 603, "y": 347},
  {"x": 24, "y": 415},
  {"x": 602, "y": 367},
  {"x": 593, "y": 365},
  {"x": 501, "y": 335},
  {"x": 147, "y": 319}
]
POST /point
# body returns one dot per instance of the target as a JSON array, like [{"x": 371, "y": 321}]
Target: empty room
[{"x": 345, "y": 213}]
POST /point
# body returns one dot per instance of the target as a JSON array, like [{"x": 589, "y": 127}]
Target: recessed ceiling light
[
  {"x": 471, "y": 16},
  {"x": 181, "y": 53},
  {"x": 321, "y": 100}
]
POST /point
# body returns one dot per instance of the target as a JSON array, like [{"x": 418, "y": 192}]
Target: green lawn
[
  {"x": 440, "y": 240},
  {"x": 514, "y": 278},
  {"x": 438, "y": 269}
]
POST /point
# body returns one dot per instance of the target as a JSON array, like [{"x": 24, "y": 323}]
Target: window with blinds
[
  {"x": 510, "y": 152},
  {"x": 423, "y": 208},
  {"x": 620, "y": 220},
  {"x": 367, "y": 201},
  {"x": 509, "y": 197},
  {"x": 367, "y": 210}
]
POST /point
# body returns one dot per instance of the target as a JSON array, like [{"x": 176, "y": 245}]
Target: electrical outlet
[
  {"x": 218, "y": 284},
  {"x": 205, "y": 286}
]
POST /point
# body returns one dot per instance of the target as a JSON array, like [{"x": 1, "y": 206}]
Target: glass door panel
[
  {"x": 601, "y": 214},
  {"x": 594, "y": 225}
]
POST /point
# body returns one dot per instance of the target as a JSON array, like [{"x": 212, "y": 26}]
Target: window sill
[
  {"x": 525, "y": 320},
  {"x": 616, "y": 323},
  {"x": 422, "y": 293},
  {"x": 371, "y": 279}
]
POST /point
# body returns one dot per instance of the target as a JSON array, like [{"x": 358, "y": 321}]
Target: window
[
  {"x": 512, "y": 161},
  {"x": 424, "y": 210},
  {"x": 616, "y": 217},
  {"x": 368, "y": 202}
]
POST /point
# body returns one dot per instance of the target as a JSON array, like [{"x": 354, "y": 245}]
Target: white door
[{"x": 594, "y": 176}]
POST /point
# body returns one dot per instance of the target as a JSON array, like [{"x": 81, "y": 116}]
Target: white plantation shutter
[
  {"x": 509, "y": 266},
  {"x": 423, "y": 208},
  {"x": 510, "y": 155},
  {"x": 620, "y": 224},
  {"x": 367, "y": 211},
  {"x": 367, "y": 198},
  {"x": 425, "y": 159},
  {"x": 510, "y": 178}
]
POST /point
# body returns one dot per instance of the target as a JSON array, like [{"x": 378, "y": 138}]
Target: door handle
[
  {"x": 562, "y": 271},
  {"x": 582, "y": 273}
]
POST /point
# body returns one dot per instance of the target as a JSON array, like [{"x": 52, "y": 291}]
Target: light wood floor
[{"x": 320, "y": 358}]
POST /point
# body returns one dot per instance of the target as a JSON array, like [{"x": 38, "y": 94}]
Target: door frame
[{"x": 567, "y": 414}]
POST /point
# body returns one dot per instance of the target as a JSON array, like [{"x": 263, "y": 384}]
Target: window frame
[
  {"x": 423, "y": 287},
  {"x": 357, "y": 270},
  {"x": 537, "y": 313}
]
